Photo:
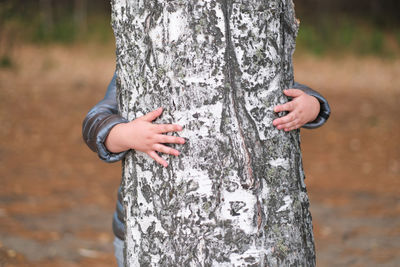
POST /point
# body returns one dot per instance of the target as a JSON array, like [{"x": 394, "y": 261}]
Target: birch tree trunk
[{"x": 236, "y": 194}]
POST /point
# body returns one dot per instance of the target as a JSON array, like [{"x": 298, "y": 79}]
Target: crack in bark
[
  {"x": 232, "y": 73},
  {"x": 147, "y": 40},
  {"x": 231, "y": 76}
]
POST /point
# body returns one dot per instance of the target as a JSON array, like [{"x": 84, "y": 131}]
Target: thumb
[
  {"x": 293, "y": 92},
  {"x": 152, "y": 115}
]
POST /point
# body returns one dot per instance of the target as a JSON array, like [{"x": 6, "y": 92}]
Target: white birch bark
[{"x": 236, "y": 194}]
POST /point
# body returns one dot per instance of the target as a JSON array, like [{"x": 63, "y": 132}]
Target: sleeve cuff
[
  {"x": 103, "y": 153},
  {"x": 324, "y": 112}
]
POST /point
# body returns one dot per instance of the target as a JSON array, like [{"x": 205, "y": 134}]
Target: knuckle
[
  {"x": 164, "y": 139},
  {"x": 153, "y": 140},
  {"x": 153, "y": 128},
  {"x": 286, "y": 106}
]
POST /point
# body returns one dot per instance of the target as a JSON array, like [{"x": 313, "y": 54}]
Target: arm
[
  {"x": 111, "y": 136},
  {"x": 307, "y": 109},
  {"x": 324, "y": 112},
  {"x": 98, "y": 123}
]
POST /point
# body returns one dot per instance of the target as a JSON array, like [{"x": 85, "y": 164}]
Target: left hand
[{"x": 302, "y": 108}]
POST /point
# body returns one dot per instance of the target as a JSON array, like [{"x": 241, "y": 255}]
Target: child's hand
[
  {"x": 302, "y": 108},
  {"x": 142, "y": 135}
]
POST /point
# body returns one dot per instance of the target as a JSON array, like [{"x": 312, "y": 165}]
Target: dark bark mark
[
  {"x": 231, "y": 72},
  {"x": 233, "y": 76}
]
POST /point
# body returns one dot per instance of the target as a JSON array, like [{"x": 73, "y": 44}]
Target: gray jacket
[{"x": 104, "y": 115}]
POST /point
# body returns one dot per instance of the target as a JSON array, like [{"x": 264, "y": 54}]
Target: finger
[
  {"x": 161, "y": 138},
  {"x": 288, "y": 125},
  {"x": 293, "y": 92},
  {"x": 157, "y": 158},
  {"x": 152, "y": 115},
  {"x": 289, "y": 106},
  {"x": 166, "y": 149},
  {"x": 286, "y": 119},
  {"x": 291, "y": 128},
  {"x": 166, "y": 128}
]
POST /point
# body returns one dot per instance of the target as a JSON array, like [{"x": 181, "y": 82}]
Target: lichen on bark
[{"x": 236, "y": 194}]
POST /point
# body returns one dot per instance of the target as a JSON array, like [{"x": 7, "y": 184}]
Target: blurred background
[{"x": 57, "y": 197}]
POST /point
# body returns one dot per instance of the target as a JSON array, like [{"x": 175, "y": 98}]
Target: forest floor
[{"x": 57, "y": 197}]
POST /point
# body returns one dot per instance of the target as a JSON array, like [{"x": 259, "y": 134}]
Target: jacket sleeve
[
  {"x": 98, "y": 123},
  {"x": 324, "y": 112}
]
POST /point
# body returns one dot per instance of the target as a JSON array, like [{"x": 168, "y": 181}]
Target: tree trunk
[{"x": 236, "y": 194}]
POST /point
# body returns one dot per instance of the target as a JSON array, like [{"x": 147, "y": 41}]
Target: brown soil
[{"x": 57, "y": 197}]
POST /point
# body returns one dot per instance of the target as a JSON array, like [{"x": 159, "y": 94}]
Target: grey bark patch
[{"x": 235, "y": 195}]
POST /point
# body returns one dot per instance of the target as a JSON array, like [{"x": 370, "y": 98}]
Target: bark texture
[{"x": 236, "y": 194}]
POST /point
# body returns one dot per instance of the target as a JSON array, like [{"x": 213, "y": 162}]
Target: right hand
[{"x": 143, "y": 135}]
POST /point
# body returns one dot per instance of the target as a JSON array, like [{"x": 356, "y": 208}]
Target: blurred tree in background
[
  {"x": 53, "y": 20},
  {"x": 381, "y": 12},
  {"x": 356, "y": 26}
]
